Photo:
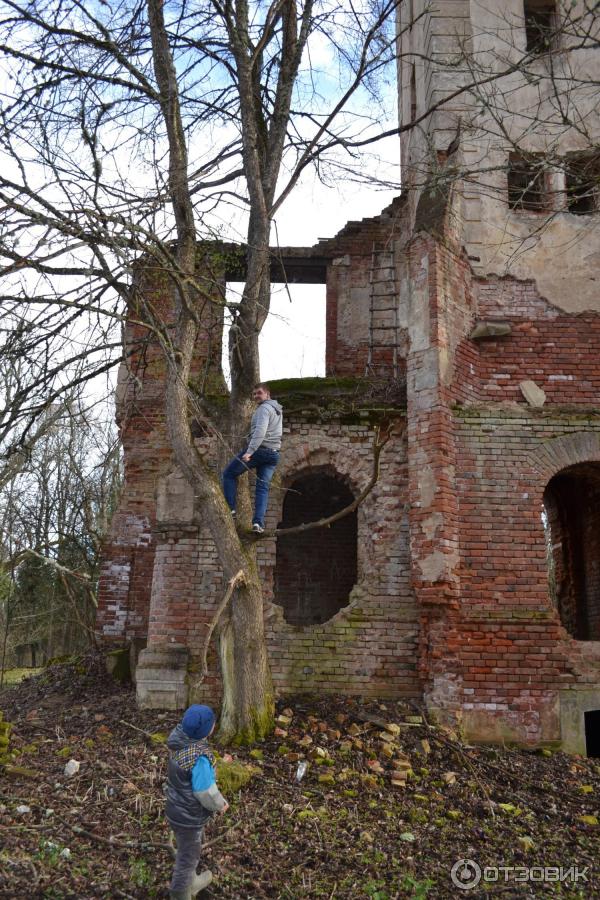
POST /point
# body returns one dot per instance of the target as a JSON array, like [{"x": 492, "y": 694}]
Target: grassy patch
[{"x": 15, "y": 676}]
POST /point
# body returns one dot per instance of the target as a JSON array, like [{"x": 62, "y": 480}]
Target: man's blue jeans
[{"x": 264, "y": 461}]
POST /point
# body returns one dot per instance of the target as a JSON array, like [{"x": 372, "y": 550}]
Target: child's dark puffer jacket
[{"x": 191, "y": 793}]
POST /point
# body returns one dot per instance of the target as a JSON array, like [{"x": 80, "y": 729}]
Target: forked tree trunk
[
  {"x": 248, "y": 704},
  {"x": 248, "y": 695}
]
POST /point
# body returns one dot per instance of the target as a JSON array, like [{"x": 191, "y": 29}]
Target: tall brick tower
[{"x": 498, "y": 268}]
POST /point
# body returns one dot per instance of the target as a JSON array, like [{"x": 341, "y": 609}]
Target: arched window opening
[
  {"x": 316, "y": 570},
  {"x": 571, "y": 519},
  {"x": 592, "y": 732}
]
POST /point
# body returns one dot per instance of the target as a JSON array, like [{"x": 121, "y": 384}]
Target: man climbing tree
[{"x": 260, "y": 453}]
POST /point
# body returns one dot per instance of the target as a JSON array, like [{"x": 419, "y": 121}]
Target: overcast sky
[{"x": 292, "y": 342}]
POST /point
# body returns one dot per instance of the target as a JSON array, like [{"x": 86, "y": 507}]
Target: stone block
[
  {"x": 161, "y": 677},
  {"x": 534, "y": 395},
  {"x": 483, "y": 330},
  {"x": 175, "y": 499}
]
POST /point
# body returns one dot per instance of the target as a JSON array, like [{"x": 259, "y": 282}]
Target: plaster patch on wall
[
  {"x": 174, "y": 499},
  {"x": 434, "y": 566},
  {"x": 353, "y": 317},
  {"x": 446, "y": 363},
  {"x": 342, "y": 260},
  {"x": 425, "y": 377},
  {"x": 427, "y": 486},
  {"x": 419, "y": 325},
  {"x": 431, "y": 524}
]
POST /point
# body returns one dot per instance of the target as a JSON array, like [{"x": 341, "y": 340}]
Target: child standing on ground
[{"x": 192, "y": 797}]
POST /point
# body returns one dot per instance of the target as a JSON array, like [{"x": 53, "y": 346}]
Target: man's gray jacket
[{"x": 266, "y": 427}]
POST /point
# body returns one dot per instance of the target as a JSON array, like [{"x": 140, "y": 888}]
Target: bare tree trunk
[{"x": 248, "y": 703}]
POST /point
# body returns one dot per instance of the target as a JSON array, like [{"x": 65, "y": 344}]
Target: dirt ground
[{"x": 344, "y": 831}]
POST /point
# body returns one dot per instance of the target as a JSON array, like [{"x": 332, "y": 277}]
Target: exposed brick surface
[
  {"x": 450, "y": 595},
  {"x": 558, "y": 352}
]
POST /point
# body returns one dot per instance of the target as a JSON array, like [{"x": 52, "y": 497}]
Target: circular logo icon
[{"x": 465, "y": 874}]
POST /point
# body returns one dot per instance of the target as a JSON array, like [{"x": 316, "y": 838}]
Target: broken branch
[
  {"x": 378, "y": 445},
  {"x": 233, "y": 583}
]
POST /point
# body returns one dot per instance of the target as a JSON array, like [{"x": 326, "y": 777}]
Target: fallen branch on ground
[{"x": 77, "y": 829}]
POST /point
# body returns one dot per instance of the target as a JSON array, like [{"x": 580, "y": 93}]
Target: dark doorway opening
[
  {"x": 572, "y": 523},
  {"x": 315, "y": 571},
  {"x": 592, "y": 732}
]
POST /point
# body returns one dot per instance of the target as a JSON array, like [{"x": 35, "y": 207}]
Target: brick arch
[
  {"x": 568, "y": 469},
  {"x": 553, "y": 456},
  {"x": 335, "y": 457}
]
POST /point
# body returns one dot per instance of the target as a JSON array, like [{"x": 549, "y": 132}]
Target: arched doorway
[
  {"x": 316, "y": 570},
  {"x": 572, "y": 523}
]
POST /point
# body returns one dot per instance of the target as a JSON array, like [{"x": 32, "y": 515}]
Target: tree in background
[{"x": 54, "y": 514}]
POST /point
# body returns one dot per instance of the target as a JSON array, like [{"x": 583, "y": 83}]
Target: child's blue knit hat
[{"x": 197, "y": 721}]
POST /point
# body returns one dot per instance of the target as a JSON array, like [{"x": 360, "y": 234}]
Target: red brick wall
[
  {"x": 433, "y": 272},
  {"x": 128, "y": 555},
  {"x": 370, "y": 645},
  {"x": 493, "y": 650},
  {"x": 162, "y": 579},
  {"x": 557, "y": 351},
  {"x": 513, "y": 653},
  {"x": 349, "y": 285},
  {"x": 452, "y": 584}
]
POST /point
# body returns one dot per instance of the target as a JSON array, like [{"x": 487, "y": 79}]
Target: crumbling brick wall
[
  {"x": 494, "y": 653},
  {"x": 369, "y": 646},
  {"x": 451, "y": 600},
  {"x": 171, "y": 593},
  {"x": 556, "y": 350}
]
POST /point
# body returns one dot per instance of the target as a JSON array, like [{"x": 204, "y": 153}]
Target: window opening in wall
[
  {"x": 582, "y": 182},
  {"x": 540, "y": 25},
  {"x": 413, "y": 94},
  {"x": 315, "y": 570},
  {"x": 571, "y": 520},
  {"x": 527, "y": 182},
  {"x": 592, "y": 732},
  {"x": 292, "y": 341}
]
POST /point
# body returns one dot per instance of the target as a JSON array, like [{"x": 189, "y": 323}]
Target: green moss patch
[
  {"x": 15, "y": 676},
  {"x": 232, "y": 776}
]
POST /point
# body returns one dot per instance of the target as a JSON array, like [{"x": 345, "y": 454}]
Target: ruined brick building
[{"x": 465, "y": 319}]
